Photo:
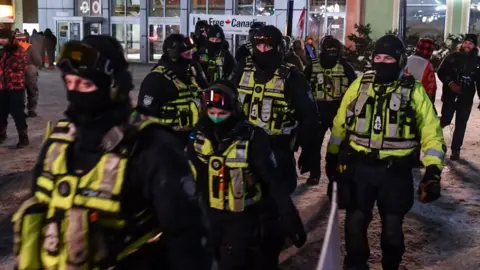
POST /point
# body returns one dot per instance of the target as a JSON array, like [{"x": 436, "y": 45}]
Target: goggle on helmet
[{"x": 79, "y": 58}]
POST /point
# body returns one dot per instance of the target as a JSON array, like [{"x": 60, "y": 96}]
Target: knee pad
[{"x": 392, "y": 229}]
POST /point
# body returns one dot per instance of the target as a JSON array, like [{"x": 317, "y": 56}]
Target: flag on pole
[{"x": 301, "y": 23}]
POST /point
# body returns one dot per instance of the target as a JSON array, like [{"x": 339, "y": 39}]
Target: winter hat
[
  {"x": 330, "y": 42},
  {"x": 425, "y": 48},
  {"x": 472, "y": 38},
  {"x": 390, "y": 45},
  {"x": 216, "y": 32}
]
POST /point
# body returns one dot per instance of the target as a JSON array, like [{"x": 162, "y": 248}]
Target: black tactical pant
[
  {"x": 12, "y": 103},
  {"x": 462, "y": 106},
  {"x": 391, "y": 187},
  {"x": 31, "y": 84},
  {"x": 235, "y": 239}
]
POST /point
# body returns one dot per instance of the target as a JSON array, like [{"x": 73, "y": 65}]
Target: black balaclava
[
  {"x": 94, "y": 113},
  {"x": 215, "y": 32},
  {"x": 330, "y": 49},
  {"x": 200, "y": 28},
  {"x": 272, "y": 59},
  {"x": 388, "y": 72},
  {"x": 173, "y": 46}
]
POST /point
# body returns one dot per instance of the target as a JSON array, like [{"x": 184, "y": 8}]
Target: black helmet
[
  {"x": 221, "y": 94},
  {"x": 254, "y": 29},
  {"x": 101, "y": 59},
  {"x": 175, "y": 44},
  {"x": 201, "y": 27},
  {"x": 270, "y": 35},
  {"x": 216, "y": 31}
]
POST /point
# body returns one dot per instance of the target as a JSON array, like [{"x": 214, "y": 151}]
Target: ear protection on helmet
[{"x": 122, "y": 81}]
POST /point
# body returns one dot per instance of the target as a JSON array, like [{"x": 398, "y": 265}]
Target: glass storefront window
[
  {"x": 208, "y": 6},
  {"x": 118, "y": 32},
  {"x": 129, "y": 36},
  {"x": 255, "y": 7},
  {"x": 324, "y": 6},
  {"x": 164, "y": 8},
  {"x": 133, "y": 8},
  {"x": 133, "y": 41},
  {"x": 157, "y": 34},
  {"x": 426, "y": 18},
  {"x": 474, "y": 22},
  {"x": 125, "y": 7},
  {"x": 326, "y": 17},
  {"x": 118, "y": 7}
]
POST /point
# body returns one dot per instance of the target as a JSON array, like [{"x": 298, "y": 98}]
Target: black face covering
[
  {"x": 88, "y": 105},
  {"x": 329, "y": 59},
  {"x": 268, "y": 60},
  {"x": 214, "y": 47},
  {"x": 386, "y": 72}
]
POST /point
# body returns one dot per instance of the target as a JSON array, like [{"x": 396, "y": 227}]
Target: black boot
[{"x": 22, "y": 138}]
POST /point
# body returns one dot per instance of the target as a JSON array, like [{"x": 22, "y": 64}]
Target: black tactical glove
[
  {"x": 331, "y": 164},
  {"x": 429, "y": 188}
]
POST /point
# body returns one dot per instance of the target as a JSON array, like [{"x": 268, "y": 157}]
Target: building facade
[{"x": 142, "y": 25}]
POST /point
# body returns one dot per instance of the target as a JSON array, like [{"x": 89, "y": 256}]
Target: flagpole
[{"x": 290, "y": 17}]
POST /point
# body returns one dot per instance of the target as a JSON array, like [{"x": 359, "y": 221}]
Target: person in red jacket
[
  {"x": 12, "y": 86},
  {"x": 420, "y": 67}
]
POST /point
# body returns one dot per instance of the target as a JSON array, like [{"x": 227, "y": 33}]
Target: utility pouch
[{"x": 27, "y": 228}]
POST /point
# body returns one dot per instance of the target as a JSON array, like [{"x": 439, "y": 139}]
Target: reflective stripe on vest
[
  {"x": 215, "y": 68},
  {"x": 231, "y": 184},
  {"x": 182, "y": 113},
  {"x": 392, "y": 128},
  {"x": 265, "y": 104},
  {"x": 77, "y": 200},
  {"x": 328, "y": 84}
]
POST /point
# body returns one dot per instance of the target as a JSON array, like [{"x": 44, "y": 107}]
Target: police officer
[
  {"x": 329, "y": 75},
  {"x": 459, "y": 73},
  {"x": 217, "y": 62},
  {"x": 170, "y": 91},
  {"x": 200, "y": 36},
  {"x": 277, "y": 97},
  {"x": 236, "y": 173},
  {"x": 379, "y": 124},
  {"x": 112, "y": 187},
  {"x": 247, "y": 49}
]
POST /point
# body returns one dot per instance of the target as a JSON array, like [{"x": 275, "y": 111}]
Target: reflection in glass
[
  {"x": 133, "y": 41},
  {"x": 118, "y": 7},
  {"x": 474, "y": 21},
  {"x": 118, "y": 32},
  {"x": 426, "y": 18},
  {"x": 157, "y": 34},
  {"x": 245, "y": 7},
  {"x": 216, "y": 7},
  {"x": 316, "y": 27},
  {"x": 199, "y": 6},
  {"x": 133, "y": 7},
  {"x": 170, "y": 9},
  {"x": 323, "y": 6}
]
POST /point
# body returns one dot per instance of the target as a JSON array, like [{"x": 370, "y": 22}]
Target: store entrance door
[
  {"x": 76, "y": 28},
  {"x": 91, "y": 28},
  {"x": 335, "y": 25}
]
